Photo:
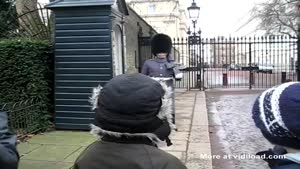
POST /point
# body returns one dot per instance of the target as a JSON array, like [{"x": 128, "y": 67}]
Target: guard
[{"x": 162, "y": 68}]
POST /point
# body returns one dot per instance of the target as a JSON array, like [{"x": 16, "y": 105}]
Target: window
[{"x": 151, "y": 9}]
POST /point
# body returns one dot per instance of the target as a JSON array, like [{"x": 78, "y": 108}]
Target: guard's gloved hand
[
  {"x": 168, "y": 141},
  {"x": 170, "y": 65},
  {"x": 163, "y": 132},
  {"x": 177, "y": 74},
  {"x": 277, "y": 150}
]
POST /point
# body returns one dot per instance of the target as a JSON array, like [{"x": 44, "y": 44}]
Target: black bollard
[
  {"x": 283, "y": 77},
  {"x": 225, "y": 79},
  {"x": 252, "y": 78}
]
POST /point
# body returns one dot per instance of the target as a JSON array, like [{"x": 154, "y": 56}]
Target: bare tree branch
[
  {"x": 276, "y": 17},
  {"x": 284, "y": 23}
]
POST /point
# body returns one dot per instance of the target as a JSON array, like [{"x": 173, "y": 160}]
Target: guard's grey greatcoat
[
  {"x": 162, "y": 68},
  {"x": 157, "y": 68}
]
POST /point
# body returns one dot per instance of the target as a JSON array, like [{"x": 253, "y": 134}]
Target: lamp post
[{"x": 194, "y": 11}]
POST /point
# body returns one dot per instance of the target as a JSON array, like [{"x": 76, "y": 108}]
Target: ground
[
  {"x": 59, "y": 149},
  {"x": 232, "y": 130},
  {"x": 53, "y": 150},
  {"x": 213, "y": 78},
  {"x": 216, "y": 77}
]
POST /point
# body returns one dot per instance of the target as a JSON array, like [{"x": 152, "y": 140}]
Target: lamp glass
[
  {"x": 194, "y": 14},
  {"x": 194, "y": 11}
]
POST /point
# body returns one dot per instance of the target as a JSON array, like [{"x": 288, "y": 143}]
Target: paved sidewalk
[{"x": 59, "y": 149}]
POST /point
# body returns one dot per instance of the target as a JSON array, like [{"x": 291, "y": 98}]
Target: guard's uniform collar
[{"x": 161, "y": 60}]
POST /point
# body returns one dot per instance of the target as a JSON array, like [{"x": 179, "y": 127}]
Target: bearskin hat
[{"x": 161, "y": 43}]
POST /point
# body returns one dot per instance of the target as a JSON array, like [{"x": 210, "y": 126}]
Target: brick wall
[{"x": 133, "y": 23}]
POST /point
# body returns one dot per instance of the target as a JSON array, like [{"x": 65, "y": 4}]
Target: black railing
[
  {"x": 235, "y": 62},
  {"x": 257, "y": 62},
  {"x": 22, "y": 116}
]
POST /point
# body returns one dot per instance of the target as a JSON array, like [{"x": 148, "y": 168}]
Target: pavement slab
[
  {"x": 51, "y": 153},
  {"x": 34, "y": 164}
]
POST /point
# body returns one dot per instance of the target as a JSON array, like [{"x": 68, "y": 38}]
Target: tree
[
  {"x": 28, "y": 16},
  {"x": 19, "y": 17},
  {"x": 277, "y": 17},
  {"x": 25, "y": 18},
  {"x": 7, "y": 15}
]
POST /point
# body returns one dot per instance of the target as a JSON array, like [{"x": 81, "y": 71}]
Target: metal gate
[
  {"x": 144, "y": 51},
  {"x": 242, "y": 62},
  {"x": 253, "y": 62}
]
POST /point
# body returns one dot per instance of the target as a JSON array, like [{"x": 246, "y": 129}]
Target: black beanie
[{"x": 130, "y": 104}]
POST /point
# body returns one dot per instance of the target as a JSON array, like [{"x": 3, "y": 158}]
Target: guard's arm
[
  {"x": 145, "y": 69},
  {"x": 178, "y": 75}
]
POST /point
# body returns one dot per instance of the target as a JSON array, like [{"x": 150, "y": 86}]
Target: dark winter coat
[
  {"x": 127, "y": 153},
  {"x": 287, "y": 163},
  {"x": 8, "y": 153}
]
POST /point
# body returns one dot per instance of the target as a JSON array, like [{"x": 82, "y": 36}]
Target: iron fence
[
  {"x": 234, "y": 62},
  {"x": 189, "y": 59},
  {"x": 144, "y": 51},
  {"x": 22, "y": 116},
  {"x": 249, "y": 62}
]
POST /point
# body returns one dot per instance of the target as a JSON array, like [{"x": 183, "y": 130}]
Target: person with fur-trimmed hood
[
  {"x": 162, "y": 67},
  {"x": 132, "y": 118},
  {"x": 276, "y": 112}
]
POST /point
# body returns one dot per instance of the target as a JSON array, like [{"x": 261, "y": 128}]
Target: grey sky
[{"x": 224, "y": 17}]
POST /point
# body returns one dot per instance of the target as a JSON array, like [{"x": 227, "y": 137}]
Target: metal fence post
[
  {"x": 250, "y": 66},
  {"x": 298, "y": 54},
  {"x": 283, "y": 77},
  {"x": 298, "y": 43},
  {"x": 200, "y": 61},
  {"x": 225, "y": 79}
]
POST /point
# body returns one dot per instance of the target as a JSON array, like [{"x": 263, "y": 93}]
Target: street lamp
[
  {"x": 194, "y": 11},
  {"x": 195, "y": 40}
]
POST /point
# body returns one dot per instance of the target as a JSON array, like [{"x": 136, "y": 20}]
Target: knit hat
[
  {"x": 276, "y": 112},
  {"x": 132, "y": 105},
  {"x": 161, "y": 43}
]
